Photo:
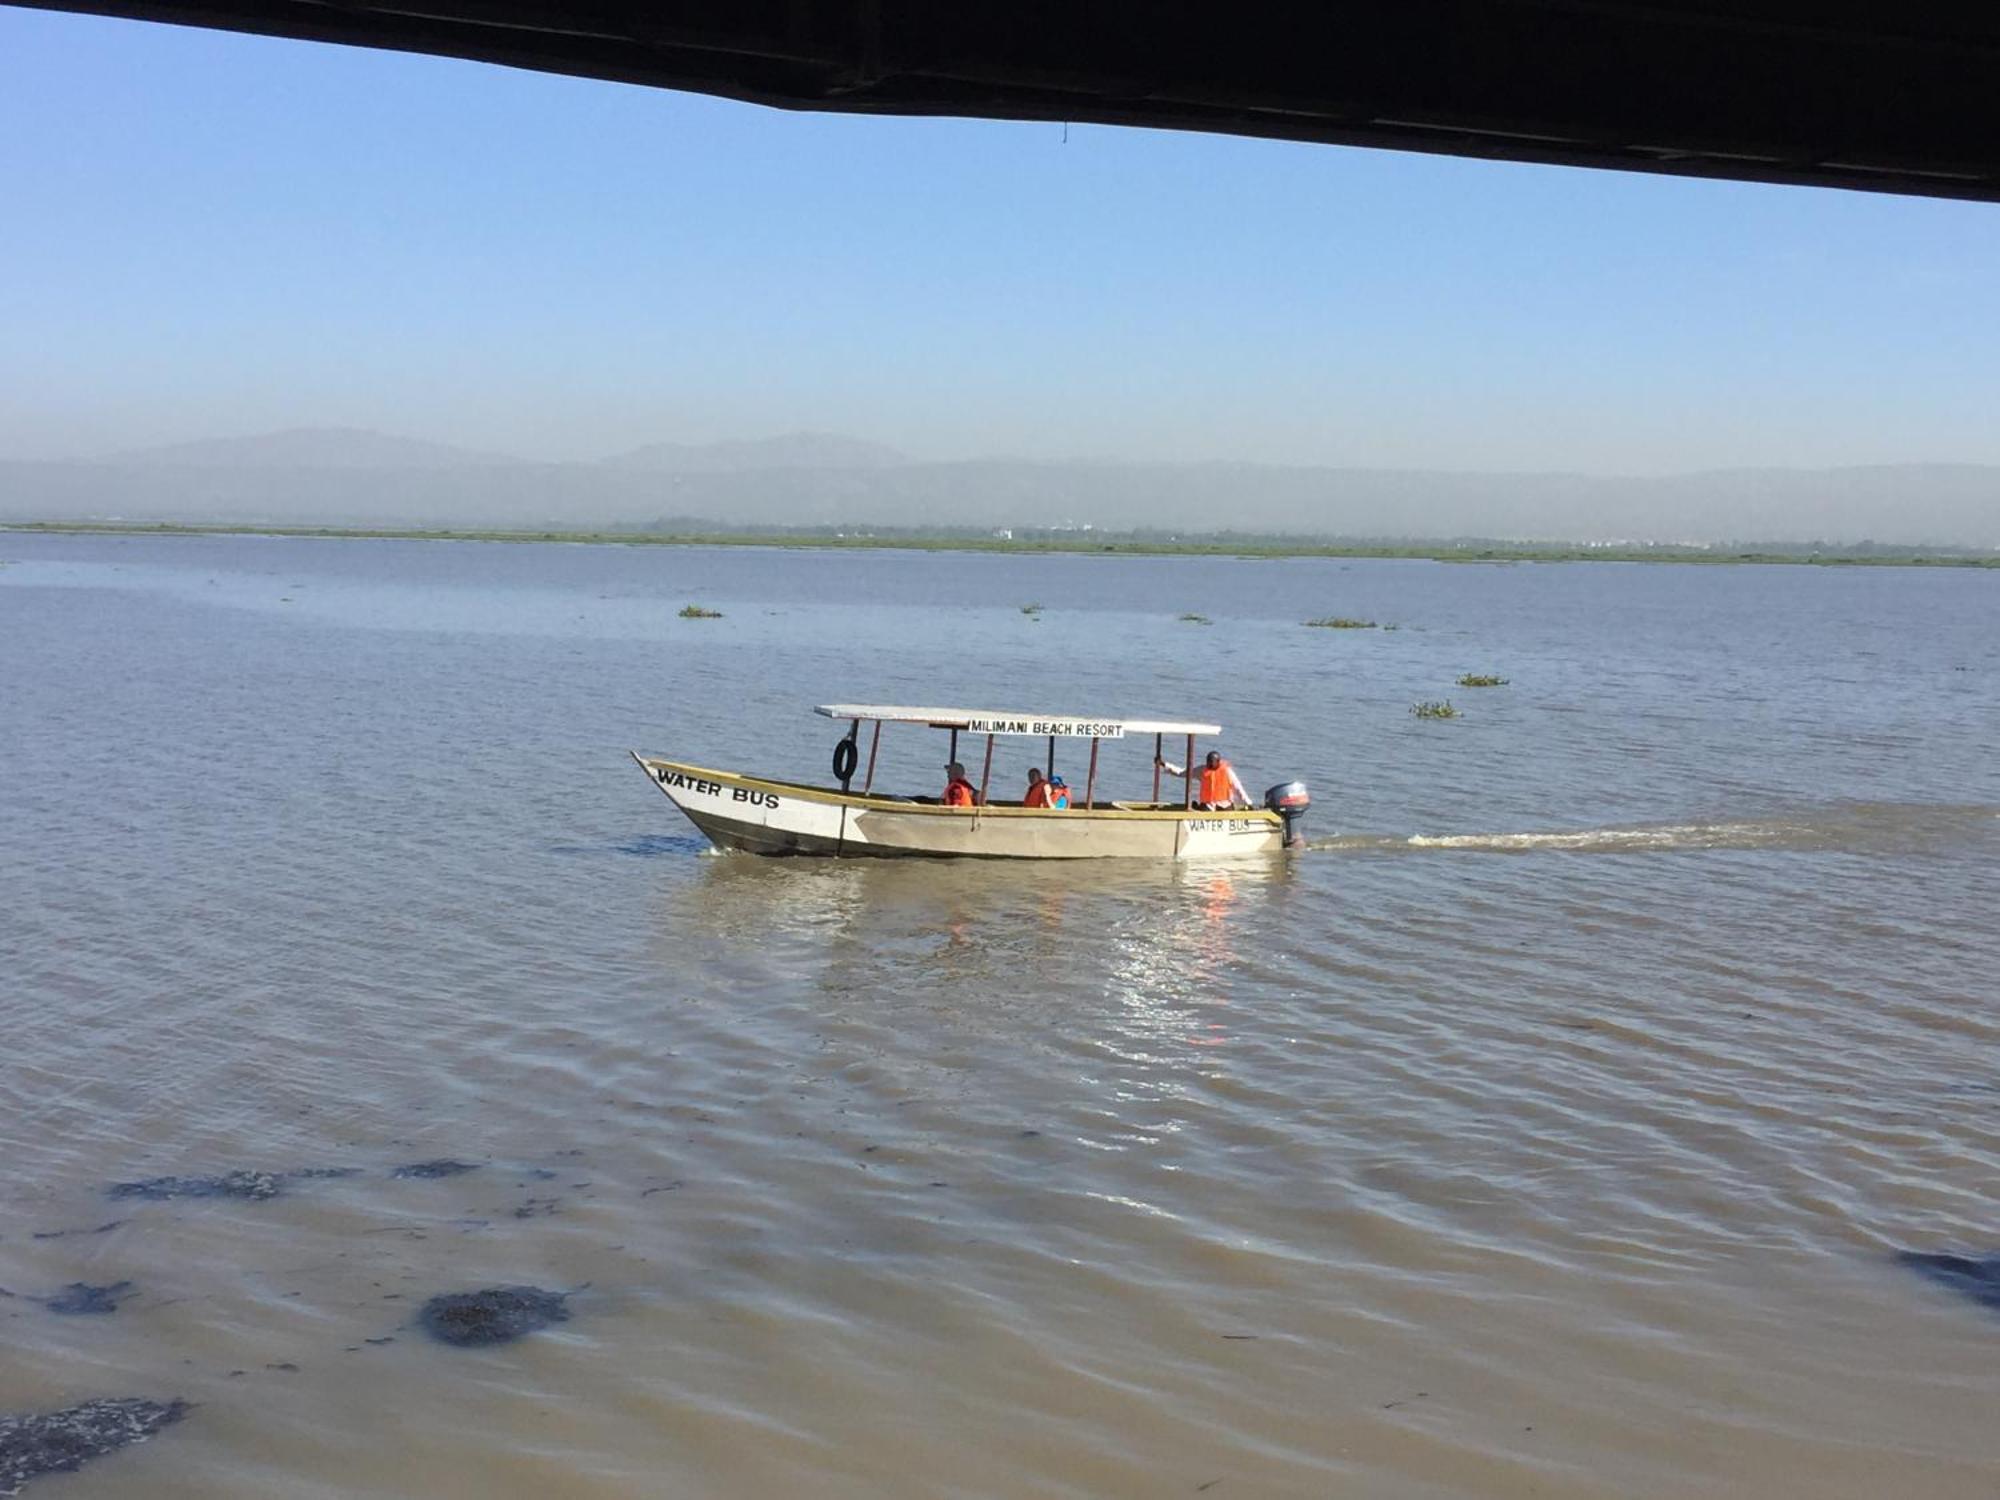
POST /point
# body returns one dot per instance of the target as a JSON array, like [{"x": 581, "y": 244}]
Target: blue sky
[{"x": 207, "y": 234}]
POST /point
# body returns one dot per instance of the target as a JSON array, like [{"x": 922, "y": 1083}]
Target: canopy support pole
[
  {"x": 986, "y": 774},
  {"x": 1090, "y": 786},
  {"x": 1187, "y": 797},
  {"x": 874, "y": 744},
  {"x": 952, "y": 759},
  {"x": 1159, "y": 748},
  {"x": 1052, "y": 754}
]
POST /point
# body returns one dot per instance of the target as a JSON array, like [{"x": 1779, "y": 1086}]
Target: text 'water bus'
[{"x": 760, "y": 815}]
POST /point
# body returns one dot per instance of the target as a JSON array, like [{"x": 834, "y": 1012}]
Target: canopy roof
[
  {"x": 993, "y": 721},
  {"x": 1842, "y": 93}
]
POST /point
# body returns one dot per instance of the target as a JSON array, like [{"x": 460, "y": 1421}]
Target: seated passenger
[
  {"x": 1040, "y": 793},
  {"x": 1058, "y": 792},
  {"x": 958, "y": 792}
]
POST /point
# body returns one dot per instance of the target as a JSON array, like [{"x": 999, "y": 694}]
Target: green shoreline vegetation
[{"x": 1129, "y": 544}]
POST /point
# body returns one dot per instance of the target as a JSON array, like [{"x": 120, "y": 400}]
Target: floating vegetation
[
  {"x": 1194, "y": 619},
  {"x": 1977, "y": 1277},
  {"x": 1031, "y": 610},
  {"x": 1341, "y": 622},
  {"x": 256, "y": 1186},
  {"x": 81, "y": 1298},
  {"x": 496, "y": 1315},
  {"x": 1477, "y": 679},
  {"x": 1434, "y": 708},
  {"x": 696, "y": 612},
  {"x": 442, "y": 1167},
  {"x": 61, "y": 1442},
  {"x": 63, "y": 1234}
]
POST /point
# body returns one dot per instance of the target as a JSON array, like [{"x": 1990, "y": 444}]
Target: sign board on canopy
[
  {"x": 1073, "y": 729},
  {"x": 997, "y": 721}
]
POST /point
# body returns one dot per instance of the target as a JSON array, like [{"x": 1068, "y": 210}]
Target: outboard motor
[{"x": 1289, "y": 801}]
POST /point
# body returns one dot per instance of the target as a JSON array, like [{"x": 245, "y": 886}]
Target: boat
[{"x": 765, "y": 815}]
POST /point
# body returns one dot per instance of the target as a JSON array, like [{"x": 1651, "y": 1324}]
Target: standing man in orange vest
[{"x": 1218, "y": 786}]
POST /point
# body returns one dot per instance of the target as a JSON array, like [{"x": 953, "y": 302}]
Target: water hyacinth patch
[
  {"x": 442, "y": 1167},
  {"x": 63, "y": 1441},
  {"x": 495, "y": 1315},
  {"x": 81, "y": 1299},
  {"x": 255, "y": 1186}
]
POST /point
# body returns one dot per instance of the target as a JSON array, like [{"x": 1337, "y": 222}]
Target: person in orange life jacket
[
  {"x": 1218, "y": 786},
  {"x": 1040, "y": 793},
  {"x": 958, "y": 792},
  {"x": 1058, "y": 792}
]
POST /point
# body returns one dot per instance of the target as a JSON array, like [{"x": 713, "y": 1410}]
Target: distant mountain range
[
  {"x": 359, "y": 448},
  {"x": 796, "y": 450},
  {"x": 309, "y": 448},
  {"x": 344, "y": 476}
]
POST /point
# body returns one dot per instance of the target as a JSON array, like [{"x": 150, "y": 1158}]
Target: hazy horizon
[
  {"x": 188, "y": 447},
  {"x": 232, "y": 448},
  {"x": 215, "y": 237},
  {"x": 345, "y": 476}
]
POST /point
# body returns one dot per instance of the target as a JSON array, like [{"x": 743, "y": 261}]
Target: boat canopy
[{"x": 992, "y": 721}]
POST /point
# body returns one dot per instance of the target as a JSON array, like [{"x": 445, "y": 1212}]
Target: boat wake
[
  {"x": 1854, "y": 827},
  {"x": 640, "y": 846}
]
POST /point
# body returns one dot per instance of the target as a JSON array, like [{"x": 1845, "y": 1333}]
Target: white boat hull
[{"x": 761, "y": 816}]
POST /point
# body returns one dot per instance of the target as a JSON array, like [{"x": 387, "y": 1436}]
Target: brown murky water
[{"x": 1551, "y": 1128}]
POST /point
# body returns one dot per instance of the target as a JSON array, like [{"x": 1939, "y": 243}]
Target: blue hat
[{"x": 1057, "y": 781}]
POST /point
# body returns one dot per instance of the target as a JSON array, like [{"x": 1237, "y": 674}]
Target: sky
[{"x": 206, "y": 235}]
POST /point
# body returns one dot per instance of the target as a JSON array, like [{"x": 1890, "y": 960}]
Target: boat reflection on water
[
  {"x": 1178, "y": 982},
  {"x": 1145, "y": 947}
]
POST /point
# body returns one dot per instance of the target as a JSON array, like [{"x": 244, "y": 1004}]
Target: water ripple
[{"x": 1395, "y": 1168}]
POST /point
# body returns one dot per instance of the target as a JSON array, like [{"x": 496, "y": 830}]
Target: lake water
[{"x": 1551, "y": 1127}]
